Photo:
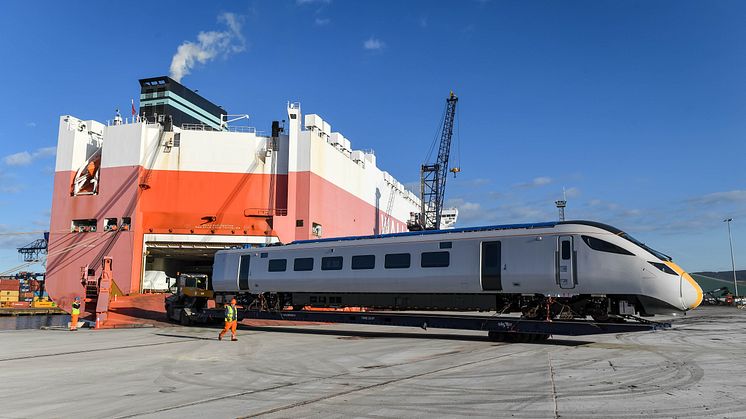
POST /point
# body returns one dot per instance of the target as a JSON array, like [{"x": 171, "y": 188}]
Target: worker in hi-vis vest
[
  {"x": 231, "y": 321},
  {"x": 74, "y": 314}
]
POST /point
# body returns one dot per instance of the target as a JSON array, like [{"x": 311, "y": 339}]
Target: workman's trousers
[
  {"x": 73, "y": 321},
  {"x": 230, "y": 326}
]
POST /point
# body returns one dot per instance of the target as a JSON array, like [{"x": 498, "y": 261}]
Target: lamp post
[{"x": 732, "y": 261}]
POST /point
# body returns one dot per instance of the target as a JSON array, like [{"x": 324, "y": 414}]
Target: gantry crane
[{"x": 433, "y": 176}]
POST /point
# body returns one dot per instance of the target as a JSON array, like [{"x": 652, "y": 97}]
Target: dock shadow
[{"x": 358, "y": 334}]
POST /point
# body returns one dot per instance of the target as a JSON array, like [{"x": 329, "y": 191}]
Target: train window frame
[
  {"x": 298, "y": 265},
  {"x": 244, "y": 265},
  {"x": 604, "y": 246},
  {"x": 390, "y": 261},
  {"x": 281, "y": 263},
  {"x": 359, "y": 262},
  {"x": 329, "y": 263},
  {"x": 435, "y": 259}
]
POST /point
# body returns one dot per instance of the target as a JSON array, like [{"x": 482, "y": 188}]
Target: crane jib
[{"x": 433, "y": 176}]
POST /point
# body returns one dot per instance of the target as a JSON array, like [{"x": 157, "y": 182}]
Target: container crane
[{"x": 433, "y": 176}]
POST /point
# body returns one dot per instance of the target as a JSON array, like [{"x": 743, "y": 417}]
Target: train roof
[{"x": 549, "y": 224}]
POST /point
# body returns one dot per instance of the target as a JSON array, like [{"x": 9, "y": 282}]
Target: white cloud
[
  {"x": 572, "y": 192},
  {"x": 536, "y": 182},
  {"x": 208, "y": 46},
  {"x": 18, "y": 159},
  {"x": 374, "y": 44},
  {"x": 720, "y": 197},
  {"x": 25, "y": 158},
  {"x": 322, "y": 21},
  {"x": 467, "y": 211},
  {"x": 31, "y": 124}
]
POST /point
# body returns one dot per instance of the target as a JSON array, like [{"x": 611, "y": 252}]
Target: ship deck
[{"x": 693, "y": 370}]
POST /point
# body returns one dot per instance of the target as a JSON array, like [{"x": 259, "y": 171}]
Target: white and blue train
[{"x": 543, "y": 270}]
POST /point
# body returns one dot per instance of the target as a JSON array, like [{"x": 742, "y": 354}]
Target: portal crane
[{"x": 433, "y": 176}]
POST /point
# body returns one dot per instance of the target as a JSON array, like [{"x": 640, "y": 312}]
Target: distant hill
[
  {"x": 708, "y": 281},
  {"x": 726, "y": 275}
]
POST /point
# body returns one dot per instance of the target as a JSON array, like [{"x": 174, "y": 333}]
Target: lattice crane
[{"x": 433, "y": 176}]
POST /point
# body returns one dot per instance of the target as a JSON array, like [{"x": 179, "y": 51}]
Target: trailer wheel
[{"x": 184, "y": 319}]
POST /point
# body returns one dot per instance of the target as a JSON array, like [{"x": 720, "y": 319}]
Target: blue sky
[{"x": 637, "y": 108}]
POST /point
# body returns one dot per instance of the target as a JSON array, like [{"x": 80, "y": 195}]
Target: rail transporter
[{"x": 555, "y": 274}]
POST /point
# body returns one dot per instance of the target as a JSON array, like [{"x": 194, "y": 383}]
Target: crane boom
[{"x": 433, "y": 176}]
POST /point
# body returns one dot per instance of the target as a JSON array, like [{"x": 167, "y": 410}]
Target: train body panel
[{"x": 564, "y": 261}]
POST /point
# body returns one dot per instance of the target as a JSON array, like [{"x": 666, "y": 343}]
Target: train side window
[
  {"x": 364, "y": 262},
  {"x": 446, "y": 245},
  {"x": 491, "y": 266},
  {"x": 278, "y": 265},
  {"x": 331, "y": 263},
  {"x": 435, "y": 259},
  {"x": 566, "y": 251},
  {"x": 243, "y": 272},
  {"x": 303, "y": 264},
  {"x": 604, "y": 246},
  {"x": 397, "y": 261}
]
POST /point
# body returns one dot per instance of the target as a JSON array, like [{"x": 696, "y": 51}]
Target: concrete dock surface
[{"x": 697, "y": 369}]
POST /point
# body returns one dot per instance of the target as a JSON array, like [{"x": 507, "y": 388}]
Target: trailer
[{"x": 498, "y": 328}]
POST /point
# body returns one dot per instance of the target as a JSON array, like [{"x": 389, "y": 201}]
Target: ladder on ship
[{"x": 386, "y": 228}]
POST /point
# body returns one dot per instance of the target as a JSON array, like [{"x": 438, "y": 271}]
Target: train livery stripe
[{"x": 689, "y": 279}]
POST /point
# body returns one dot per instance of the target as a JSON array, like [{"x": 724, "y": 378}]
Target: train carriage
[{"x": 543, "y": 270}]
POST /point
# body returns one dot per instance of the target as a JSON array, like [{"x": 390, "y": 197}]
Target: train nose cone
[{"x": 691, "y": 293}]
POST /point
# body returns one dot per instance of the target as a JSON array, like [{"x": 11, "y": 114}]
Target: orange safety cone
[{"x": 98, "y": 323}]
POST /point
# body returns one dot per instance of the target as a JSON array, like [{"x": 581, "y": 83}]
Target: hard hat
[
  {"x": 77, "y": 298},
  {"x": 233, "y": 301}
]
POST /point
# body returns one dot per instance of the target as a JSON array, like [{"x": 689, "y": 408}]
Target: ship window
[
  {"x": 243, "y": 272},
  {"x": 364, "y": 262},
  {"x": 299, "y": 223},
  {"x": 83, "y": 226},
  {"x": 303, "y": 264},
  {"x": 435, "y": 259},
  {"x": 604, "y": 246},
  {"x": 110, "y": 224},
  {"x": 331, "y": 263},
  {"x": 126, "y": 221},
  {"x": 397, "y": 261},
  {"x": 278, "y": 265},
  {"x": 446, "y": 245}
]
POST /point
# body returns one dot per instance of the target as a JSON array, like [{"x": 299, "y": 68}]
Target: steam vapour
[{"x": 208, "y": 46}]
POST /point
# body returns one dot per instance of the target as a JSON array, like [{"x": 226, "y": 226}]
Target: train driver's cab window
[
  {"x": 278, "y": 265},
  {"x": 364, "y": 262},
  {"x": 331, "y": 263},
  {"x": 435, "y": 259},
  {"x": 397, "y": 261},
  {"x": 303, "y": 264},
  {"x": 604, "y": 246}
]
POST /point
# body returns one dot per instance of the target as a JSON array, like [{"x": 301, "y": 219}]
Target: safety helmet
[{"x": 77, "y": 298}]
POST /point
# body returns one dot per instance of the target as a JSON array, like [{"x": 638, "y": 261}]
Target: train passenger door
[
  {"x": 491, "y": 266},
  {"x": 565, "y": 262},
  {"x": 243, "y": 272}
]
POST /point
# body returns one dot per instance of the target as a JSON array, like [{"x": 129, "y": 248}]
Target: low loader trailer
[{"x": 193, "y": 304}]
